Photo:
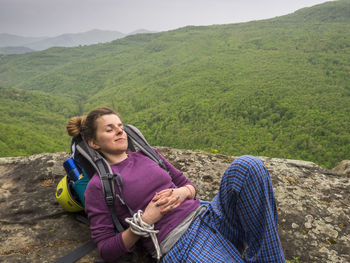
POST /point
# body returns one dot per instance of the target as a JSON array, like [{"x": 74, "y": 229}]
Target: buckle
[{"x": 109, "y": 200}]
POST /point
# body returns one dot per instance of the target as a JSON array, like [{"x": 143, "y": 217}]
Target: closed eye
[{"x": 112, "y": 127}]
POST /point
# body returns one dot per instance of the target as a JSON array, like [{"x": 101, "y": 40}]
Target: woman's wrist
[
  {"x": 147, "y": 219},
  {"x": 190, "y": 190},
  {"x": 129, "y": 238}
]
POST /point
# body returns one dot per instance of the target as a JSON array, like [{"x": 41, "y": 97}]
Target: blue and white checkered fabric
[{"x": 239, "y": 225}]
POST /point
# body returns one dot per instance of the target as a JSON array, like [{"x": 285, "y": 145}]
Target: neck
[{"x": 116, "y": 158}]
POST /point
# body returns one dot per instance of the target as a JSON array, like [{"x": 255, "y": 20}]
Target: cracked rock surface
[{"x": 313, "y": 206}]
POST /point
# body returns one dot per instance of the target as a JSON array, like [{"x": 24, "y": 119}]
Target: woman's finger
[
  {"x": 163, "y": 193},
  {"x": 166, "y": 192},
  {"x": 155, "y": 197},
  {"x": 171, "y": 202},
  {"x": 162, "y": 201},
  {"x": 170, "y": 207}
]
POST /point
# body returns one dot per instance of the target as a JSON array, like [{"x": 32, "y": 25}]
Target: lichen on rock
[{"x": 313, "y": 206}]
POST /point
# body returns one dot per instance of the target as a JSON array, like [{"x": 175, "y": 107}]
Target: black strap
[
  {"x": 88, "y": 155},
  {"x": 82, "y": 219},
  {"x": 143, "y": 144},
  {"x": 77, "y": 253},
  {"x": 118, "y": 179},
  {"x": 131, "y": 146},
  {"x": 107, "y": 184}
]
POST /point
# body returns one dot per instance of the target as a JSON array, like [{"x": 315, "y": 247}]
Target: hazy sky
[{"x": 55, "y": 17}]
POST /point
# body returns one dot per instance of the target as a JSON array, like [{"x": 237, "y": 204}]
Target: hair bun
[{"x": 75, "y": 125}]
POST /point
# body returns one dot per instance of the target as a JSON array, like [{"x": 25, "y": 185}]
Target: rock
[
  {"x": 313, "y": 206},
  {"x": 343, "y": 168}
]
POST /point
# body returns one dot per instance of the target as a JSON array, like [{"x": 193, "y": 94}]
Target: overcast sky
[{"x": 55, "y": 17}]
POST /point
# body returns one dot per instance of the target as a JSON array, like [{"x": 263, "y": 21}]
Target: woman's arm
[
  {"x": 110, "y": 245},
  {"x": 169, "y": 199},
  {"x": 129, "y": 238}
]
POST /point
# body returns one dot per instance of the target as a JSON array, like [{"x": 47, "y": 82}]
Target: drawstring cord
[{"x": 140, "y": 228}]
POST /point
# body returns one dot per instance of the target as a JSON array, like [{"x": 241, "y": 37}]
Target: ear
[{"x": 93, "y": 145}]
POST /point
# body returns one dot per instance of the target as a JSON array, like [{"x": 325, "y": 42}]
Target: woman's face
[{"x": 111, "y": 138}]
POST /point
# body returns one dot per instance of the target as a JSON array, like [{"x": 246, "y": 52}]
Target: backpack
[{"x": 80, "y": 168}]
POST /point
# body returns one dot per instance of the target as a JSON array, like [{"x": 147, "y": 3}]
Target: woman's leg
[
  {"x": 202, "y": 244},
  {"x": 244, "y": 211}
]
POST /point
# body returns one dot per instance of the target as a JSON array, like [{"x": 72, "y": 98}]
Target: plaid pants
[{"x": 240, "y": 223}]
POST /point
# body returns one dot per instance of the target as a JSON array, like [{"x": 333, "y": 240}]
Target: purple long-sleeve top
[{"x": 142, "y": 178}]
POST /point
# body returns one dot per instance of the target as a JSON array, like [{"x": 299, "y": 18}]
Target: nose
[{"x": 119, "y": 130}]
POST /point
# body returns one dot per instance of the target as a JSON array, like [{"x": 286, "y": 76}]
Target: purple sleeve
[
  {"x": 178, "y": 178},
  {"x": 110, "y": 244}
]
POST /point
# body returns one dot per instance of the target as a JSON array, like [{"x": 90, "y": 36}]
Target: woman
[{"x": 241, "y": 219}]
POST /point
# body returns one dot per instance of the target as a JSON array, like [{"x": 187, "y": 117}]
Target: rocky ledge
[{"x": 313, "y": 206}]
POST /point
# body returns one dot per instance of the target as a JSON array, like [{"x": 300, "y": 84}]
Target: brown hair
[{"x": 86, "y": 125}]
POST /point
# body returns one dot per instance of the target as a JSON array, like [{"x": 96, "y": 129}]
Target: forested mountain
[
  {"x": 32, "y": 122},
  {"x": 278, "y": 87}
]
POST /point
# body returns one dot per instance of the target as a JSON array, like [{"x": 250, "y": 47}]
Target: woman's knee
[
  {"x": 248, "y": 160},
  {"x": 248, "y": 165}
]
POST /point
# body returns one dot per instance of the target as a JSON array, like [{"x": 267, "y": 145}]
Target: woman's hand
[
  {"x": 152, "y": 213},
  {"x": 169, "y": 199},
  {"x": 164, "y": 202}
]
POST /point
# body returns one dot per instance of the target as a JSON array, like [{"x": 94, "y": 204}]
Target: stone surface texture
[{"x": 313, "y": 206}]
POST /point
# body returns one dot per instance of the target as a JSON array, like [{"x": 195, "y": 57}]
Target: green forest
[{"x": 278, "y": 87}]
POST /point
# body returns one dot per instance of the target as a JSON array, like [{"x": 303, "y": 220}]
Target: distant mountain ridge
[
  {"x": 30, "y": 44},
  {"x": 15, "y": 50},
  {"x": 10, "y": 40}
]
